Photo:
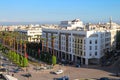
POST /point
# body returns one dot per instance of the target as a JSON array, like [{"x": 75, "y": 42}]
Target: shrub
[{"x": 54, "y": 60}]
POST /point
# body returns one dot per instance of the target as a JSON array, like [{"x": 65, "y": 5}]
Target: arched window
[
  {"x": 95, "y": 41},
  {"x": 90, "y": 42}
]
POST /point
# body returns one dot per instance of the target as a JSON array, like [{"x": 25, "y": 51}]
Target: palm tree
[
  {"x": 20, "y": 42},
  {"x": 53, "y": 38},
  {"x": 25, "y": 52},
  {"x": 42, "y": 41}
]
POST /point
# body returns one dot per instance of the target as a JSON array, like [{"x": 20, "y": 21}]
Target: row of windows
[
  {"x": 78, "y": 46},
  {"x": 63, "y": 43},
  {"x": 107, "y": 39},
  {"x": 63, "y": 48},
  {"x": 56, "y": 46},
  {"x": 90, "y": 47},
  {"x": 92, "y": 42},
  {"x": 78, "y": 41},
  {"x": 34, "y": 32},
  {"x": 79, "y": 53},
  {"x": 63, "y": 38},
  {"x": 91, "y": 54}
]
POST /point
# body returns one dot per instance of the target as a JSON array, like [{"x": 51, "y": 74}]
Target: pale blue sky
[{"x": 57, "y": 10}]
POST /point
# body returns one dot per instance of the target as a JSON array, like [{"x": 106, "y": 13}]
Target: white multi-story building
[
  {"x": 33, "y": 33},
  {"x": 82, "y": 46},
  {"x": 72, "y": 24}
]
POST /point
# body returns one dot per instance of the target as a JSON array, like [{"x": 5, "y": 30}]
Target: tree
[
  {"x": 17, "y": 58},
  {"x": 25, "y": 62},
  {"x": 42, "y": 41},
  {"x": 54, "y": 60},
  {"x": 53, "y": 39},
  {"x": 14, "y": 56}
]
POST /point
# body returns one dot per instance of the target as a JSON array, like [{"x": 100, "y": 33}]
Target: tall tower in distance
[{"x": 110, "y": 22}]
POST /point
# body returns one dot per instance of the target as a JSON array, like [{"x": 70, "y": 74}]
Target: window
[
  {"x": 84, "y": 41},
  {"x": 69, "y": 39},
  {"x": 90, "y": 42},
  {"x": 73, "y": 40},
  {"x": 95, "y": 47},
  {"x": 95, "y": 53},
  {"x": 78, "y": 40},
  {"x": 90, "y": 47},
  {"x": 72, "y": 45},
  {"x": 64, "y": 38},
  {"x": 73, "y": 51},
  {"x": 90, "y": 54},
  {"x": 69, "y": 44},
  {"x": 81, "y": 53},
  {"x": 70, "y": 49},
  {"x": 84, "y": 53},
  {"x": 95, "y": 41}
]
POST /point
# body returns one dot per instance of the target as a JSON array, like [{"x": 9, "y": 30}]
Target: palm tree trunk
[{"x": 42, "y": 46}]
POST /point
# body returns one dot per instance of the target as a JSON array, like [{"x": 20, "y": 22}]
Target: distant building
[
  {"x": 33, "y": 33},
  {"x": 71, "y": 24}
]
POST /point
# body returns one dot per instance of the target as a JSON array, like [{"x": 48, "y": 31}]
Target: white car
[{"x": 59, "y": 72}]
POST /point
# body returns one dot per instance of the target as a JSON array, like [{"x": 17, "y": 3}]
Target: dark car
[
  {"x": 4, "y": 65},
  {"x": 28, "y": 75},
  {"x": 77, "y": 65},
  {"x": 3, "y": 70},
  {"x": 15, "y": 70},
  {"x": 62, "y": 78},
  {"x": 104, "y": 78}
]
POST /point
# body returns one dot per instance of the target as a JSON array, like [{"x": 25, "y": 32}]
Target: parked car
[
  {"x": 28, "y": 75},
  {"x": 104, "y": 78},
  {"x": 15, "y": 70},
  {"x": 3, "y": 70},
  {"x": 1, "y": 57},
  {"x": 116, "y": 74},
  {"x": 62, "y": 78},
  {"x": 43, "y": 67},
  {"x": 77, "y": 65},
  {"x": 59, "y": 72},
  {"x": 4, "y": 65},
  {"x": 6, "y": 59},
  {"x": 37, "y": 68}
]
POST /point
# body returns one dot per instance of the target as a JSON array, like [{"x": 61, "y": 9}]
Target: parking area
[
  {"x": 34, "y": 72},
  {"x": 70, "y": 71}
]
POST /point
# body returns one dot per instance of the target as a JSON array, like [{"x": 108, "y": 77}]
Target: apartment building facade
[
  {"x": 79, "y": 46},
  {"x": 76, "y": 42}
]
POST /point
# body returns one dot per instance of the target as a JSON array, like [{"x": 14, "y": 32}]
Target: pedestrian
[
  {"x": 26, "y": 69},
  {"x": 12, "y": 74}
]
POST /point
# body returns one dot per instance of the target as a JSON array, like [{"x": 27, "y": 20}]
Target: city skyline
[{"x": 52, "y": 11}]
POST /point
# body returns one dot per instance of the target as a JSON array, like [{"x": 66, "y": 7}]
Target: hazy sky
[{"x": 57, "y": 10}]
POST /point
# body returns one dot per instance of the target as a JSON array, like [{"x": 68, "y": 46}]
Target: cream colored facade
[{"x": 34, "y": 33}]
